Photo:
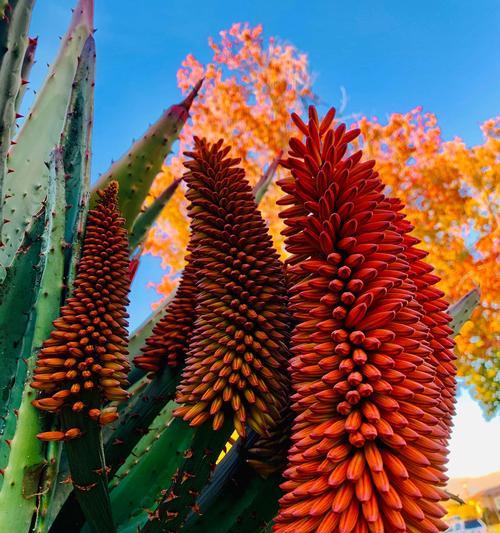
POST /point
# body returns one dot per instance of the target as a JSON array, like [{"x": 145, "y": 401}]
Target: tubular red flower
[
  {"x": 436, "y": 318},
  {"x": 87, "y": 350},
  {"x": 237, "y": 350},
  {"x": 370, "y": 350}
]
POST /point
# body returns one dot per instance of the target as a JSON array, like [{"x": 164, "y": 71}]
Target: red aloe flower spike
[
  {"x": 369, "y": 436},
  {"x": 436, "y": 318},
  {"x": 87, "y": 350},
  {"x": 237, "y": 350},
  {"x": 167, "y": 344}
]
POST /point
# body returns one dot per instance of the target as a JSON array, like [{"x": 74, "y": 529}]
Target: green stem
[{"x": 87, "y": 466}]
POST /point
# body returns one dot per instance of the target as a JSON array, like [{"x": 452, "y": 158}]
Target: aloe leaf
[
  {"x": 462, "y": 310},
  {"x": 178, "y": 451},
  {"x": 144, "y": 445},
  {"x": 28, "y": 62},
  {"x": 144, "y": 465},
  {"x": 191, "y": 474},
  {"x": 25, "y": 189},
  {"x": 138, "y": 167},
  {"x": 18, "y": 496},
  {"x": 16, "y": 301},
  {"x": 14, "y": 25},
  {"x": 147, "y": 218},
  {"x": 139, "y": 486},
  {"x": 136, "y": 419},
  {"x": 135, "y": 422},
  {"x": 244, "y": 505},
  {"x": 223, "y": 476},
  {"x": 54, "y": 485},
  {"x": 75, "y": 141}
]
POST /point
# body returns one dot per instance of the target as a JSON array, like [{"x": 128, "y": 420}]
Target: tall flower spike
[
  {"x": 167, "y": 344},
  {"x": 436, "y": 318},
  {"x": 237, "y": 350},
  {"x": 87, "y": 350},
  {"x": 369, "y": 436}
]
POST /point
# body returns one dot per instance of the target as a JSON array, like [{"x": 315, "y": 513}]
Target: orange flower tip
[
  {"x": 110, "y": 192},
  {"x": 47, "y": 404},
  {"x": 49, "y": 436},
  {"x": 107, "y": 418},
  {"x": 73, "y": 433},
  {"x": 94, "y": 414}
]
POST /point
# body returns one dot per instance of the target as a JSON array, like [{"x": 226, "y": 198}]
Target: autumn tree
[
  {"x": 451, "y": 192},
  {"x": 250, "y": 88}
]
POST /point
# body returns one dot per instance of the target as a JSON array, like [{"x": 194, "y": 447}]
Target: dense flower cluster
[
  {"x": 450, "y": 188},
  {"x": 87, "y": 350},
  {"x": 237, "y": 350},
  {"x": 371, "y": 369},
  {"x": 168, "y": 342}
]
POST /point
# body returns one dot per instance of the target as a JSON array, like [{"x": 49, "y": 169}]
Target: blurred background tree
[{"x": 451, "y": 190}]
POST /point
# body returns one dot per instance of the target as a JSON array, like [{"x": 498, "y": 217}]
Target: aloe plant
[{"x": 86, "y": 445}]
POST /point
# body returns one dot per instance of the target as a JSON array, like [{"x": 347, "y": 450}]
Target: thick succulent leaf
[
  {"x": 53, "y": 486},
  {"x": 137, "y": 169},
  {"x": 75, "y": 144},
  {"x": 28, "y": 62},
  {"x": 244, "y": 506},
  {"x": 14, "y": 25},
  {"x": 19, "y": 493},
  {"x": 227, "y": 470},
  {"x": 462, "y": 310},
  {"x": 16, "y": 301},
  {"x": 178, "y": 448},
  {"x": 147, "y": 458},
  {"x": 77, "y": 132},
  {"x": 199, "y": 459},
  {"x": 25, "y": 189},
  {"x": 147, "y": 218}
]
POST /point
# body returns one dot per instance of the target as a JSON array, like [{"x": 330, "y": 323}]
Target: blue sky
[{"x": 390, "y": 56}]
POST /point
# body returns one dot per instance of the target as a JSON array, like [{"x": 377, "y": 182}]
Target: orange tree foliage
[{"x": 451, "y": 190}]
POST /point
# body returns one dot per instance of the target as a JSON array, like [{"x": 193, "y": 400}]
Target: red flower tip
[
  {"x": 87, "y": 350},
  {"x": 372, "y": 368}
]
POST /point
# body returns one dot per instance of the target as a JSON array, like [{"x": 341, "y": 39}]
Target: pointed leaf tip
[
  {"x": 83, "y": 14},
  {"x": 192, "y": 95}
]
